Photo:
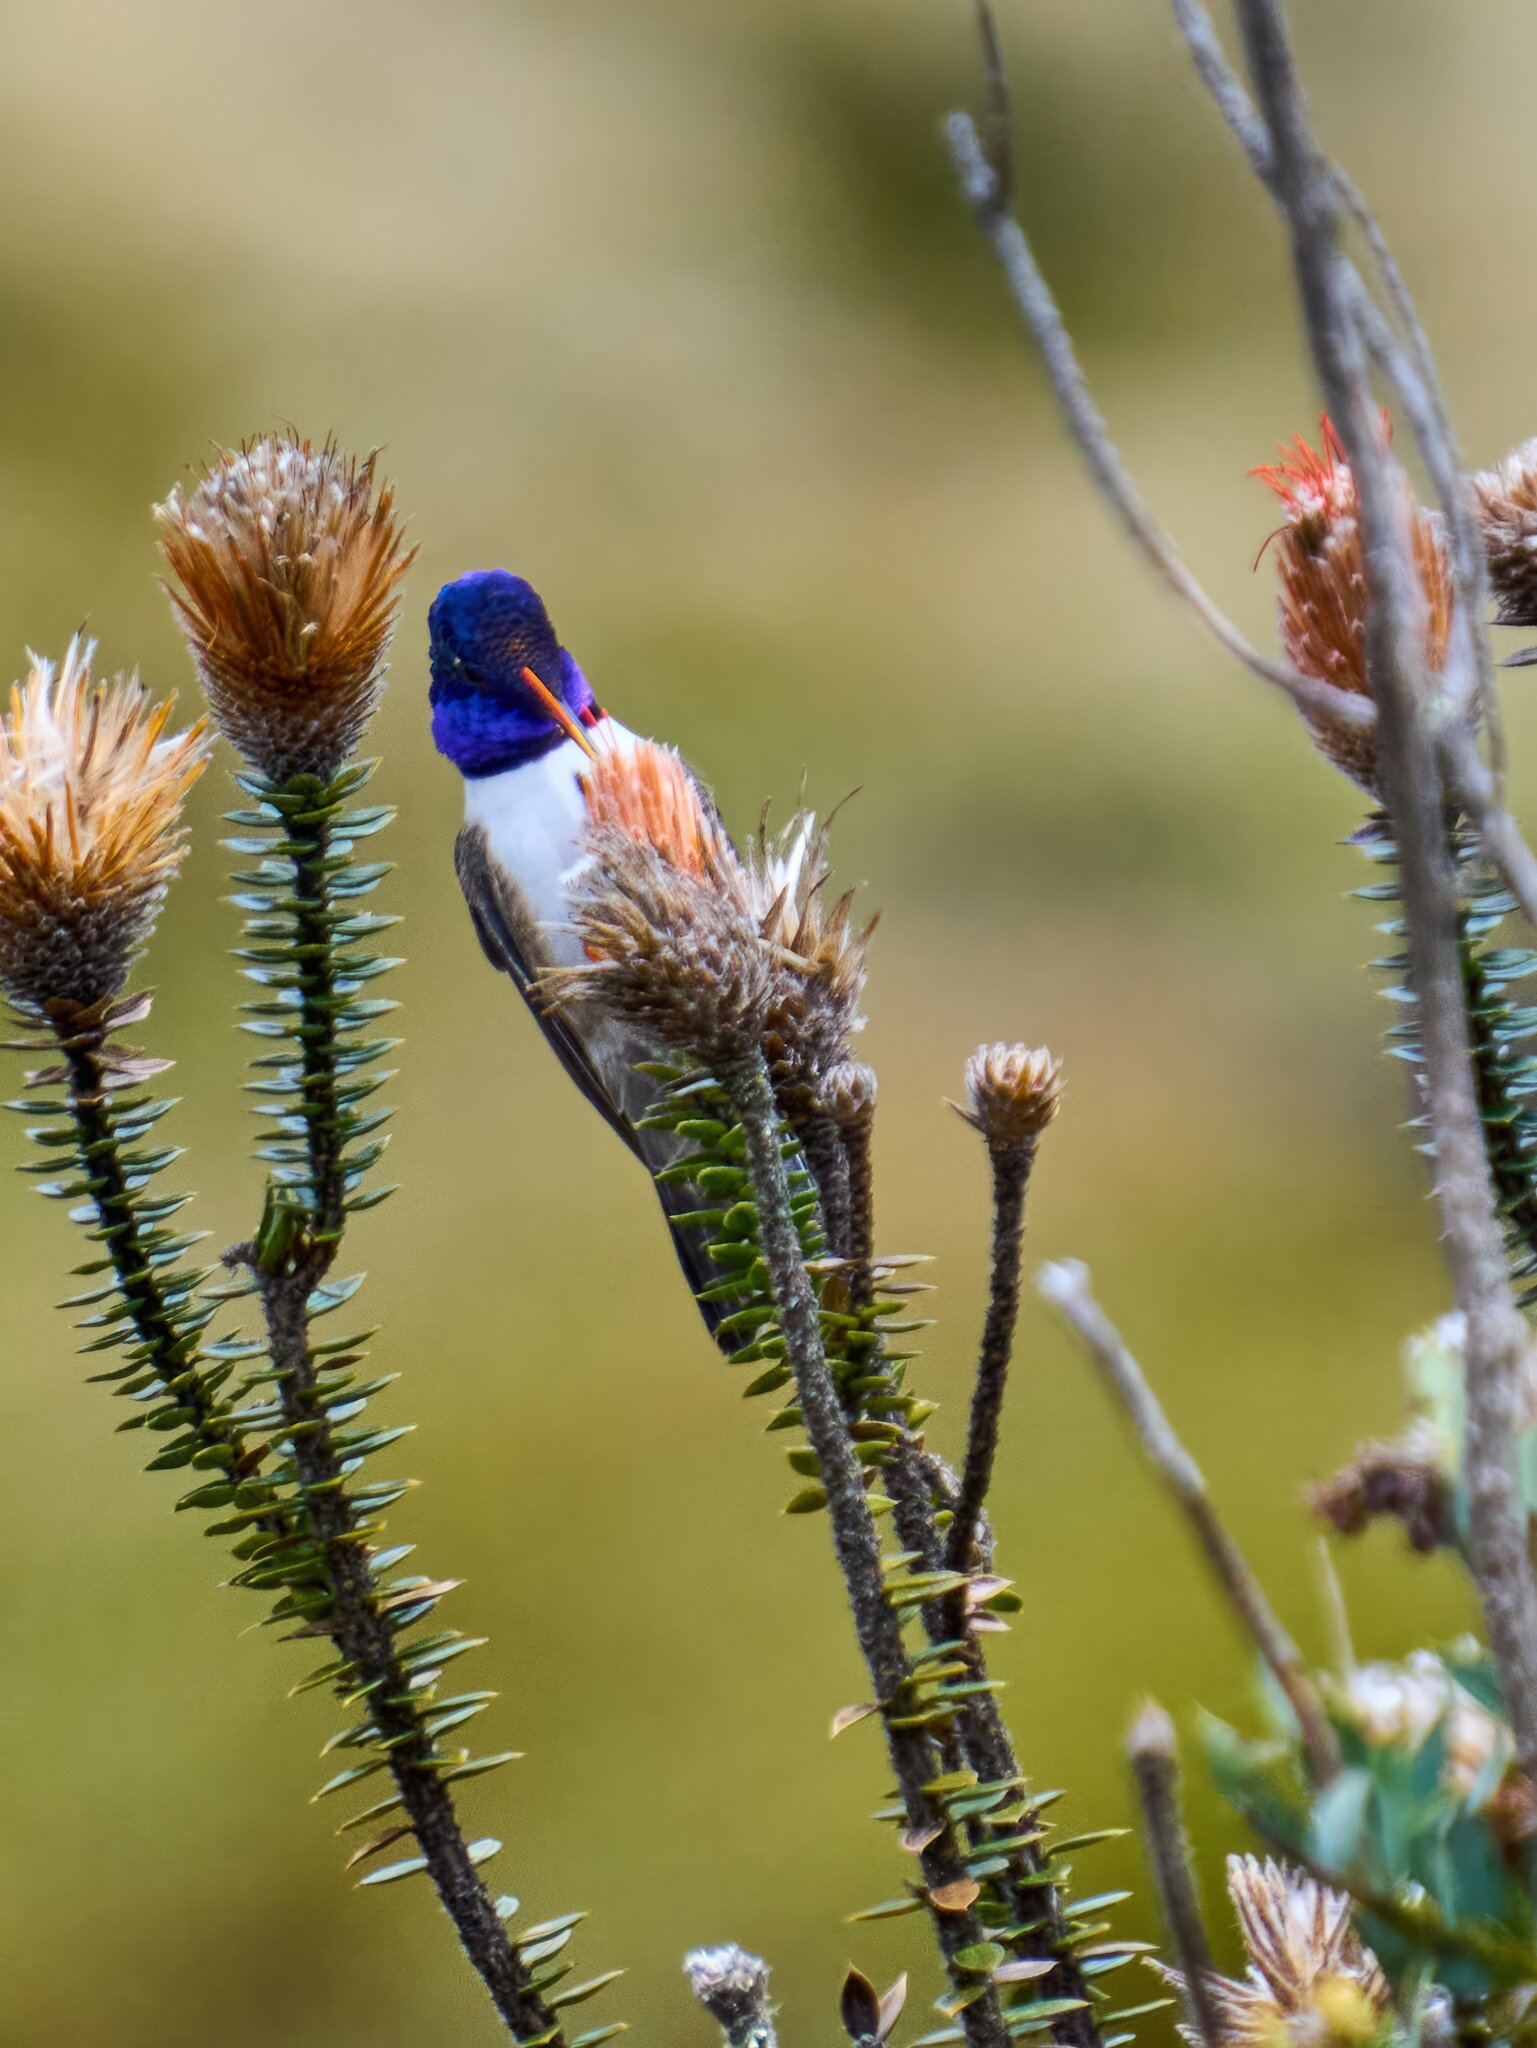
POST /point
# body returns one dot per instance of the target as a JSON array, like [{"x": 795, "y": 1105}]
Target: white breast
[{"x": 533, "y": 818}]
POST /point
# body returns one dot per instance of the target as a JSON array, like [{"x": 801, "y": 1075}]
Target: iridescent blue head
[{"x": 504, "y": 690}]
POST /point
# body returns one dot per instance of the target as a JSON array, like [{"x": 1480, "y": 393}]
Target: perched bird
[{"x": 514, "y": 713}]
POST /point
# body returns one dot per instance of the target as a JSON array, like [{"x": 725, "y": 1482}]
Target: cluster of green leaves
[
  {"x": 1502, "y": 1029},
  {"x": 279, "y": 1448},
  {"x": 1008, "y": 1856},
  {"x": 1413, "y": 1826}
]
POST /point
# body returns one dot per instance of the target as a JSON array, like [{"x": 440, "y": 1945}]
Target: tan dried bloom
[
  {"x": 1505, "y": 503},
  {"x": 1012, "y": 1093},
  {"x": 1310, "y": 1980},
  {"x": 1409, "y": 1478},
  {"x": 288, "y": 564},
  {"x": 1323, "y": 594},
  {"x": 668, "y": 950},
  {"x": 91, "y": 798},
  {"x": 820, "y": 954}
]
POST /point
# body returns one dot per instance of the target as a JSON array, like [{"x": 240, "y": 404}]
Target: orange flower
[
  {"x": 91, "y": 796},
  {"x": 1323, "y": 594}
]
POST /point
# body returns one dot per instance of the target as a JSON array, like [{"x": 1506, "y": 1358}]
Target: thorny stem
[
  {"x": 1155, "y": 1766},
  {"x": 352, "y": 1617},
  {"x": 1011, "y": 1166},
  {"x": 853, "y": 1528},
  {"x": 858, "y": 1146},
  {"x": 170, "y": 1351},
  {"x": 1496, "y": 1333},
  {"x": 1066, "y": 1286}
]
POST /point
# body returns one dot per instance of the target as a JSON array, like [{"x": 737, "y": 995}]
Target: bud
[
  {"x": 288, "y": 569},
  {"x": 91, "y": 799},
  {"x": 732, "y": 1986},
  {"x": 1505, "y": 504},
  {"x": 1013, "y": 1093},
  {"x": 849, "y": 1093},
  {"x": 1323, "y": 594}
]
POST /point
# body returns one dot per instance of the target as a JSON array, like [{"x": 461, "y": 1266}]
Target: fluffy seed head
[
  {"x": 288, "y": 562},
  {"x": 1505, "y": 500},
  {"x": 91, "y": 798},
  {"x": 1322, "y": 589},
  {"x": 1012, "y": 1093},
  {"x": 1310, "y": 1981}
]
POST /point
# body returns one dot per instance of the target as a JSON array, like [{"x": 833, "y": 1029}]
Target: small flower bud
[
  {"x": 732, "y": 1986},
  {"x": 1505, "y": 502},
  {"x": 288, "y": 569},
  {"x": 91, "y": 799},
  {"x": 1012, "y": 1093},
  {"x": 848, "y": 1095}
]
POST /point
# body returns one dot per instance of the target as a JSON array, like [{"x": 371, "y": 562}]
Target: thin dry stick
[
  {"x": 1065, "y": 1286},
  {"x": 1408, "y": 364},
  {"x": 988, "y": 193},
  {"x": 1032, "y": 295},
  {"x": 1496, "y": 1333},
  {"x": 1154, "y": 1757}
]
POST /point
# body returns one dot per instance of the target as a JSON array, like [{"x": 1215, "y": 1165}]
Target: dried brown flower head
[
  {"x": 1310, "y": 1980},
  {"x": 1323, "y": 595},
  {"x": 91, "y": 798},
  {"x": 663, "y": 914},
  {"x": 288, "y": 562},
  {"x": 820, "y": 954},
  {"x": 1012, "y": 1093},
  {"x": 1406, "y": 1479},
  {"x": 1505, "y": 502}
]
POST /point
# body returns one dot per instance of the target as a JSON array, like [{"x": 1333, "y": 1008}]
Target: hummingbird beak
[{"x": 560, "y": 714}]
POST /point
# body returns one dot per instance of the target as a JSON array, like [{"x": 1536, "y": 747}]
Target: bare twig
[
  {"x": 732, "y": 1986},
  {"x": 1155, "y": 1766},
  {"x": 1496, "y": 1333},
  {"x": 1033, "y": 297},
  {"x": 1066, "y": 1286}
]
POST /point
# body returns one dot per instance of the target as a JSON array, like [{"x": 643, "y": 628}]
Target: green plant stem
[
  {"x": 853, "y": 1527},
  {"x": 363, "y": 1637},
  {"x": 1011, "y": 1166},
  {"x": 859, "y": 1167},
  {"x": 170, "y": 1351},
  {"x": 353, "y": 1617},
  {"x": 982, "y": 1743}
]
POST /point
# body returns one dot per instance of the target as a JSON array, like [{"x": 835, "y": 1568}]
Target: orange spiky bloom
[
  {"x": 288, "y": 562},
  {"x": 91, "y": 796},
  {"x": 646, "y": 791},
  {"x": 1323, "y": 594}
]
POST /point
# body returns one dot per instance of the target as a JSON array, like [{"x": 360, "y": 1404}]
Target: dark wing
[
  {"x": 624, "y": 1095},
  {"x": 488, "y": 894}
]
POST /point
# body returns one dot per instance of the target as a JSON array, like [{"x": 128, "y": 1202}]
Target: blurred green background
[{"x": 673, "y": 309}]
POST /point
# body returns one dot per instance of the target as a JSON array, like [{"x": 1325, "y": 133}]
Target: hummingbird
[{"x": 514, "y": 713}]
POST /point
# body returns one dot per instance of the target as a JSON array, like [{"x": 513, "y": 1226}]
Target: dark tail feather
[{"x": 691, "y": 1245}]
